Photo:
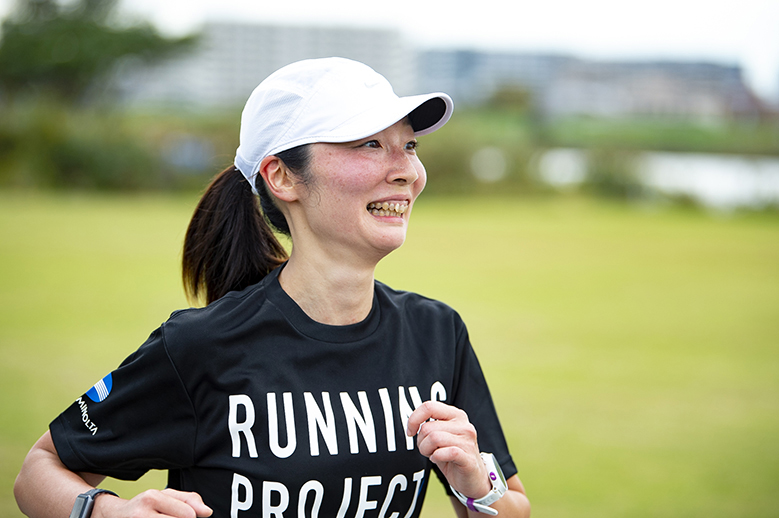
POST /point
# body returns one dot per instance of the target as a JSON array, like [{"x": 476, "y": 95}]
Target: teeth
[{"x": 387, "y": 208}]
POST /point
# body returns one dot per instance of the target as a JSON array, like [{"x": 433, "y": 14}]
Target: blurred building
[
  {"x": 233, "y": 58},
  {"x": 702, "y": 91},
  {"x": 474, "y": 77},
  {"x": 564, "y": 85}
]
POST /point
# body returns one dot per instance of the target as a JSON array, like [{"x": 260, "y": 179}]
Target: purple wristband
[{"x": 469, "y": 503}]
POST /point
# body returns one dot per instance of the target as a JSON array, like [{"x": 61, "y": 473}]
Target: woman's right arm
[{"x": 45, "y": 487}]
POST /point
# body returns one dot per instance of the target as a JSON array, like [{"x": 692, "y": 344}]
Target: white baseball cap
[{"x": 327, "y": 100}]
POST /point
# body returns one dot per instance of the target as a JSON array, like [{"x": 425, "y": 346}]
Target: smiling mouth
[{"x": 388, "y": 208}]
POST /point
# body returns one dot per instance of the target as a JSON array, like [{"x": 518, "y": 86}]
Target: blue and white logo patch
[{"x": 101, "y": 389}]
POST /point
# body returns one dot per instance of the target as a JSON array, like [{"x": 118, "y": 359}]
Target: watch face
[
  {"x": 500, "y": 474},
  {"x": 79, "y": 506}
]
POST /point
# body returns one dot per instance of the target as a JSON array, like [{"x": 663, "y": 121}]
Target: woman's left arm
[{"x": 448, "y": 439}]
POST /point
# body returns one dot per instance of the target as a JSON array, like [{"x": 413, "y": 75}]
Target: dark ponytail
[{"x": 228, "y": 245}]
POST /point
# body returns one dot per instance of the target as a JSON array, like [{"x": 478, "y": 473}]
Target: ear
[{"x": 278, "y": 179}]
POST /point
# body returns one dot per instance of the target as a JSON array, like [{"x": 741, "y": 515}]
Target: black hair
[{"x": 229, "y": 244}]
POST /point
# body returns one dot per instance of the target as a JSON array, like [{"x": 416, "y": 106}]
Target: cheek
[
  {"x": 419, "y": 185},
  {"x": 337, "y": 184},
  {"x": 343, "y": 191}
]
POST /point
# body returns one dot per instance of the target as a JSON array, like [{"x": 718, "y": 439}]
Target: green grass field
[{"x": 633, "y": 352}]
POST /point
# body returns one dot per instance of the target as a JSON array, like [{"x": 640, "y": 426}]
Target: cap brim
[
  {"x": 426, "y": 113},
  {"x": 431, "y": 114}
]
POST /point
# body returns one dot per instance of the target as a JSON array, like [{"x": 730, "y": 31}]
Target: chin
[{"x": 391, "y": 243}]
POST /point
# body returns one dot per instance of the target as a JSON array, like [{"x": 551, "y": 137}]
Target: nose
[{"x": 403, "y": 168}]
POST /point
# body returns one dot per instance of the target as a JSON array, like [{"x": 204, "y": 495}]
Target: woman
[{"x": 304, "y": 387}]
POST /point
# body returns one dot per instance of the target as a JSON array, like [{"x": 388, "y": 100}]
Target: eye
[
  {"x": 412, "y": 145},
  {"x": 372, "y": 144}
]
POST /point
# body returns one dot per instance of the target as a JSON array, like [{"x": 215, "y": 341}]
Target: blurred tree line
[
  {"x": 59, "y": 127},
  {"x": 62, "y": 124}
]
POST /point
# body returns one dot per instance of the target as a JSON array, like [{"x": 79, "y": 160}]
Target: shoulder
[
  {"x": 215, "y": 322},
  {"x": 422, "y": 308}
]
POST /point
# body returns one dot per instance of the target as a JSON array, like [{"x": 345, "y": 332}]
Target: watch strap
[
  {"x": 482, "y": 505},
  {"x": 86, "y": 501},
  {"x": 474, "y": 505}
]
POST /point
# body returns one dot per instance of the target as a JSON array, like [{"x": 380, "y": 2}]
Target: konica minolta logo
[
  {"x": 101, "y": 390},
  {"x": 92, "y": 427}
]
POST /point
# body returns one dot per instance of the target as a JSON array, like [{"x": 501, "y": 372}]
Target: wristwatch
[
  {"x": 85, "y": 501},
  {"x": 499, "y": 487}
]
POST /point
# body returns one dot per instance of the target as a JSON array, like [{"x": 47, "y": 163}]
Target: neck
[{"x": 330, "y": 292}]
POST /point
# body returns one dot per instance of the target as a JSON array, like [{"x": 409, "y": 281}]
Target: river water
[{"x": 723, "y": 182}]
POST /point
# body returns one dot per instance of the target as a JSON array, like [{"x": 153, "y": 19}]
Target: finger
[
  {"x": 431, "y": 443},
  {"x": 459, "y": 426},
  {"x": 430, "y": 440},
  {"x": 193, "y": 500},
  {"x": 168, "y": 502},
  {"x": 431, "y": 410},
  {"x": 457, "y": 430},
  {"x": 160, "y": 502},
  {"x": 452, "y": 455}
]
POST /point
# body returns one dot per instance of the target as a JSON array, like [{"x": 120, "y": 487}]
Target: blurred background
[{"x": 602, "y": 209}]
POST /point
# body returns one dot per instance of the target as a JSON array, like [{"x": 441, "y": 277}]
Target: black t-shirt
[{"x": 265, "y": 412}]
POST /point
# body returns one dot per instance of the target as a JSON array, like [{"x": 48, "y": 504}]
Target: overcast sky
[{"x": 743, "y": 32}]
